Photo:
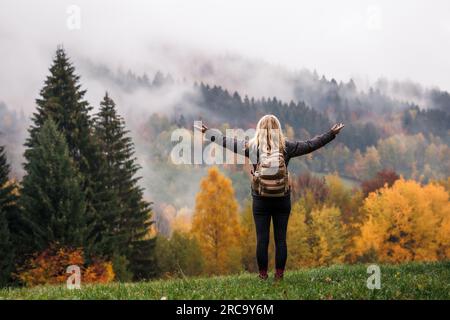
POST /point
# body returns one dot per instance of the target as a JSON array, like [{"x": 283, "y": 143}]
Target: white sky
[{"x": 370, "y": 39}]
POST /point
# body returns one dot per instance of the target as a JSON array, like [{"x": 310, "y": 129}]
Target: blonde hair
[{"x": 268, "y": 136}]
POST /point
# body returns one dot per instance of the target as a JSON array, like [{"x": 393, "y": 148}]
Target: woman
[{"x": 270, "y": 191}]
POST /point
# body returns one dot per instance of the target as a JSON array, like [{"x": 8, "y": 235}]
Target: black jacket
[{"x": 292, "y": 148}]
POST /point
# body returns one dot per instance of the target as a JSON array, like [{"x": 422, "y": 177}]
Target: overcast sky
[{"x": 369, "y": 39}]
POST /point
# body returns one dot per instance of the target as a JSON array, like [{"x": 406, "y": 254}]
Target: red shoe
[
  {"x": 279, "y": 274},
  {"x": 263, "y": 275}
]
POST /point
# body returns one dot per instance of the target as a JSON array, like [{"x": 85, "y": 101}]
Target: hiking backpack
[{"x": 271, "y": 177}]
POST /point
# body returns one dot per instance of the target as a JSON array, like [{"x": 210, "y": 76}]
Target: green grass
[{"x": 407, "y": 281}]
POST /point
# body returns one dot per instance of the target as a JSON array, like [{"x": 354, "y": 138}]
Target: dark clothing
[
  {"x": 299, "y": 148},
  {"x": 275, "y": 208},
  {"x": 292, "y": 148}
]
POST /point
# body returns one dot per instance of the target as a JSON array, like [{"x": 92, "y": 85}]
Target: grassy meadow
[{"x": 406, "y": 281}]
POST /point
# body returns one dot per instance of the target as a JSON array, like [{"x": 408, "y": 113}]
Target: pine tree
[
  {"x": 7, "y": 209},
  {"x": 52, "y": 200},
  {"x": 6, "y": 260},
  {"x": 216, "y": 224},
  {"x": 127, "y": 225},
  {"x": 62, "y": 99}
]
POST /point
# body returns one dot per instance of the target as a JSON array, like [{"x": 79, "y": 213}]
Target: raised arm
[
  {"x": 299, "y": 148},
  {"x": 233, "y": 144}
]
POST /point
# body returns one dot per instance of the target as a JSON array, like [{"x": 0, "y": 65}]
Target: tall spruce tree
[
  {"x": 8, "y": 208},
  {"x": 7, "y": 254},
  {"x": 62, "y": 99},
  {"x": 129, "y": 227},
  {"x": 53, "y": 202}
]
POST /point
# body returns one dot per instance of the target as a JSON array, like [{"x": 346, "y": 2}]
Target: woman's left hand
[
  {"x": 203, "y": 128},
  {"x": 337, "y": 128}
]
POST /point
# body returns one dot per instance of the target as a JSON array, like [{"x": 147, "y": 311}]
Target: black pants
[{"x": 264, "y": 210}]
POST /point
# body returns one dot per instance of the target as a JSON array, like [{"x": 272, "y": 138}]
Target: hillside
[{"x": 407, "y": 281}]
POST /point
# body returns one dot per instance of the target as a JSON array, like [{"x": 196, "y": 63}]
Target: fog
[
  {"x": 365, "y": 40},
  {"x": 254, "y": 47}
]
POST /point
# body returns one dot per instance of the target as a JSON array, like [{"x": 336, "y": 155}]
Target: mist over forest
[
  {"x": 93, "y": 96},
  {"x": 390, "y": 124}
]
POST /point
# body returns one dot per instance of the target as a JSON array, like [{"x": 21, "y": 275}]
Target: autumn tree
[
  {"x": 305, "y": 183},
  {"x": 321, "y": 197},
  {"x": 445, "y": 183},
  {"x": 328, "y": 235},
  {"x": 367, "y": 165},
  {"x": 310, "y": 192},
  {"x": 248, "y": 239},
  {"x": 406, "y": 222},
  {"x": 182, "y": 221},
  {"x": 348, "y": 201},
  {"x": 52, "y": 200},
  {"x": 339, "y": 195},
  {"x": 298, "y": 235},
  {"x": 216, "y": 224},
  {"x": 50, "y": 265},
  {"x": 383, "y": 177}
]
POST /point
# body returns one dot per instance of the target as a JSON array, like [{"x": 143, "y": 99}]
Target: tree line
[
  {"x": 80, "y": 200},
  {"x": 387, "y": 220}
]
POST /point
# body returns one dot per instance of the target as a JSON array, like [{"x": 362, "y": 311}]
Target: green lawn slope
[{"x": 406, "y": 281}]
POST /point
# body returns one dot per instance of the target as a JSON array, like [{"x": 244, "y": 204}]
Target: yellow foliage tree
[
  {"x": 407, "y": 222},
  {"x": 298, "y": 235},
  {"x": 216, "y": 224},
  {"x": 445, "y": 183},
  {"x": 248, "y": 239},
  {"x": 182, "y": 221},
  {"x": 308, "y": 202},
  {"x": 338, "y": 195},
  {"x": 349, "y": 202},
  {"x": 328, "y": 236}
]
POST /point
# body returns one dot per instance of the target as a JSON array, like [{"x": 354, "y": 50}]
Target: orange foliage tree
[
  {"x": 216, "y": 224},
  {"x": 407, "y": 222},
  {"x": 50, "y": 265}
]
